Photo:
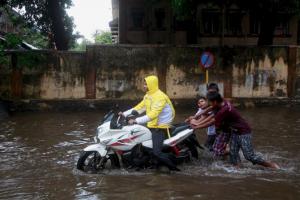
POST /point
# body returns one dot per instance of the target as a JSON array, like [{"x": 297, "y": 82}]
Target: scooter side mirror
[{"x": 134, "y": 113}]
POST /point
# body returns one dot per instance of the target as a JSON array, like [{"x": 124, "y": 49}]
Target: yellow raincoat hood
[{"x": 152, "y": 84}]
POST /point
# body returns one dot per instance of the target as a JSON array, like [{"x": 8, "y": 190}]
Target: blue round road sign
[{"x": 207, "y": 60}]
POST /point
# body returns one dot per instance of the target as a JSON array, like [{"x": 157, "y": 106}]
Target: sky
[{"x": 91, "y": 15}]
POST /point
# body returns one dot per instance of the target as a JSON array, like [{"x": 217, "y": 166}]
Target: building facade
[
  {"x": 145, "y": 22},
  {"x": 6, "y": 23}
]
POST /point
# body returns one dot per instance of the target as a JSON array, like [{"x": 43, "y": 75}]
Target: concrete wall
[
  {"x": 121, "y": 70},
  {"x": 63, "y": 79},
  {"x": 55, "y": 75},
  {"x": 297, "y": 77},
  {"x": 117, "y": 72},
  {"x": 263, "y": 77}
]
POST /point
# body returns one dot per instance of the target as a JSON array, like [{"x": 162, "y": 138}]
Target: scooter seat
[{"x": 178, "y": 129}]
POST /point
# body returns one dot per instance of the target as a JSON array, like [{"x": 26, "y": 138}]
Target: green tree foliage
[
  {"x": 49, "y": 17},
  {"x": 11, "y": 42},
  {"x": 81, "y": 45},
  {"x": 102, "y": 37},
  {"x": 25, "y": 33},
  {"x": 27, "y": 58},
  {"x": 35, "y": 38}
]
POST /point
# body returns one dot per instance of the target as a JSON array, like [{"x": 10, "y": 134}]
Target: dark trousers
[
  {"x": 158, "y": 137},
  {"x": 243, "y": 142},
  {"x": 210, "y": 142}
]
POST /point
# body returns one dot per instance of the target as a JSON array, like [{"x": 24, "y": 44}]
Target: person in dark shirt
[
  {"x": 227, "y": 118},
  {"x": 221, "y": 141}
]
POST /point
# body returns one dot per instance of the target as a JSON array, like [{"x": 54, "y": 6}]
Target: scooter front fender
[{"x": 97, "y": 147}]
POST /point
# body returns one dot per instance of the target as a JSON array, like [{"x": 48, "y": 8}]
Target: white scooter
[{"x": 121, "y": 145}]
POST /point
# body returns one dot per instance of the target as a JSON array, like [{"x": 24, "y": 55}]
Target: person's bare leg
[
  {"x": 271, "y": 165},
  {"x": 227, "y": 149}
]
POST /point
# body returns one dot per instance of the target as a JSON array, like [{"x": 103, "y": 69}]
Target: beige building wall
[{"x": 262, "y": 78}]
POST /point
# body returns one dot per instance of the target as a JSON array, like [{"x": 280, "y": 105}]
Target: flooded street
[{"x": 39, "y": 151}]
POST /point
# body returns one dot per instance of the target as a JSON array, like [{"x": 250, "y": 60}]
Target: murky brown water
[{"x": 38, "y": 154}]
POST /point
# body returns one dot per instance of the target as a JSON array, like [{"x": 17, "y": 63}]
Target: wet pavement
[{"x": 39, "y": 151}]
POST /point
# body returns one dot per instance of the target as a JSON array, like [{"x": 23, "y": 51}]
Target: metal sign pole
[{"x": 206, "y": 76}]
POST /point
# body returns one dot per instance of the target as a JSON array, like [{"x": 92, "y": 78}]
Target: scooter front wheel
[{"x": 92, "y": 161}]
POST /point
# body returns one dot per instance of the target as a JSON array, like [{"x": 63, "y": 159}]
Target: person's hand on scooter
[
  {"x": 193, "y": 122},
  {"x": 131, "y": 122},
  {"x": 193, "y": 126},
  {"x": 121, "y": 114},
  {"x": 189, "y": 119}
]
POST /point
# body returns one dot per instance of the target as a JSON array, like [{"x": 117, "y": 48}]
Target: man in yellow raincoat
[{"x": 159, "y": 116}]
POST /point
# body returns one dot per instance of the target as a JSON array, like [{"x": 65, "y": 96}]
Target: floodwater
[{"x": 38, "y": 154}]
